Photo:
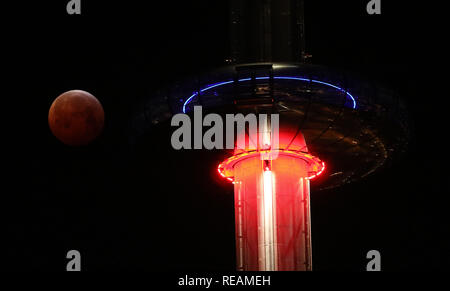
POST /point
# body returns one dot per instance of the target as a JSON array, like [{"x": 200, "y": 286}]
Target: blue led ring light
[{"x": 266, "y": 78}]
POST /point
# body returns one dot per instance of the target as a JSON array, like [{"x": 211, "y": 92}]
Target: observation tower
[{"x": 334, "y": 128}]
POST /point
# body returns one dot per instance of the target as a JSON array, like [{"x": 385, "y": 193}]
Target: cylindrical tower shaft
[
  {"x": 272, "y": 198},
  {"x": 272, "y": 214}
]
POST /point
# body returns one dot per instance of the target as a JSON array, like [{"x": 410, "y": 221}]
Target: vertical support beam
[
  {"x": 265, "y": 51},
  {"x": 299, "y": 18},
  {"x": 307, "y": 221}
]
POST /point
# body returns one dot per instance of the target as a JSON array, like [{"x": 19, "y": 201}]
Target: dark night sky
[{"x": 150, "y": 208}]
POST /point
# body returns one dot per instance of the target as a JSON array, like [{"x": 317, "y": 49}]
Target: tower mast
[{"x": 267, "y": 31}]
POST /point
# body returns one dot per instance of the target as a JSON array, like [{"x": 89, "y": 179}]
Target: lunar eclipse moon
[{"x": 76, "y": 118}]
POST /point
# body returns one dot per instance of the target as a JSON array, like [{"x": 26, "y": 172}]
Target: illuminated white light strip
[{"x": 269, "y": 227}]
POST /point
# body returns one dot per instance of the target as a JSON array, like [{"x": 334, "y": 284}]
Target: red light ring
[{"x": 225, "y": 169}]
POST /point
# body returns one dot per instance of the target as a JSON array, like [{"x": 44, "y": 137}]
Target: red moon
[{"x": 76, "y": 117}]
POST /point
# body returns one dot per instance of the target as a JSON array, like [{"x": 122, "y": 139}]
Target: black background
[{"x": 152, "y": 208}]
